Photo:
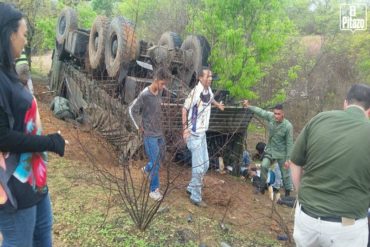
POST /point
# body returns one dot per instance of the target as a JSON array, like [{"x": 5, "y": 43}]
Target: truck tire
[
  {"x": 67, "y": 21},
  {"x": 120, "y": 47},
  {"x": 132, "y": 44},
  {"x": 171, "y": 40},
  {"x": 200, "y": 51},
  {"x": 98, "y": 36}
]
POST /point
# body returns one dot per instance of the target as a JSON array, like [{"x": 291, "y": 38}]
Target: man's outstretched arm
[
  {"x": 219, "y": 105},
  {"x": 258, "y": 111}
]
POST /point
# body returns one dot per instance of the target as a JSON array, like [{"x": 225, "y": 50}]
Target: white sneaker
[{"x": 156, "y": 195}]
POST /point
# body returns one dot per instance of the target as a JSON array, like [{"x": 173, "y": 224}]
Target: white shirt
[{"x": 198, "y": 121}]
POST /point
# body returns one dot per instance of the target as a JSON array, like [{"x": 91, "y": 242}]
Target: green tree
[
  {"x": 329, "y": 59},
  {"x": 315, "y": 16},
  {"x": 31, "y": 10},
  {"x": 44, "y": 24},
  {"x": 152, "y": 18},
  {"x": 245, "y": 37},
  {"x": 103, "y": 7},
  {"x": 86, "y": 15},
  {"x": 45, "y": 33}
]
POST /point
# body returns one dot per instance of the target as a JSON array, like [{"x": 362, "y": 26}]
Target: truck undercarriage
[{"x": 100, "y": 71}]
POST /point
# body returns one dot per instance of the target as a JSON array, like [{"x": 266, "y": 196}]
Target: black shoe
[
  {"x": 263, "y": 189},
  {"x": 188, "y": 192}
]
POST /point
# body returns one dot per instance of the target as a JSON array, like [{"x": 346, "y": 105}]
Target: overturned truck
[{"x": 102, "y": 70}]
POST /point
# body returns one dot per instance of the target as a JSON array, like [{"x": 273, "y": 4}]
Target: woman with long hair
[{"x": 25, "y": 210}]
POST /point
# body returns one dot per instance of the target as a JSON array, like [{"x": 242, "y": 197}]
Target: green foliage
[
  {"x": 343, "y": 45},
  {"x": 278, "y": 97},
  {"x": 86, "y": 15},
  {"x": 42, "y": 17},
  {"x": 357, "y": 47},
  {"x": 315, "y": 17},
  {"x": 245, "y": 37},
  {"x": 45, "y": 28},
  {"x": 293, "y": 72},
  {"x": 138, "y": 11},
  {"x": 255, "y": 129},
  {"x": 152, "y": 18},
  {"x": 45, "y": 24},
  {"x": 103, "y": 7}
]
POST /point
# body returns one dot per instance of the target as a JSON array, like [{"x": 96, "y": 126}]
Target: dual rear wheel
[{"x": 113, "y": 45}]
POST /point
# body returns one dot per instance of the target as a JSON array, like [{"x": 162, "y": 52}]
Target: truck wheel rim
[
  {"x": 62, "y": 25},
  {"x": 114, "y": 46}
]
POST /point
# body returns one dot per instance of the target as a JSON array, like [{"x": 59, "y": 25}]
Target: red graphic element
[
  {"x": 38, "y": 176},
  {"x": 39, "y": 171}
]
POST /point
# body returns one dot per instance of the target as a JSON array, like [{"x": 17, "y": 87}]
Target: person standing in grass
[
  {"x": 148, "y": 106},
  {"x": 26, "y": 217}
]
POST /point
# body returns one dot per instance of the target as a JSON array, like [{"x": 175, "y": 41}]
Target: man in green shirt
[
  {"x": 279, "y": 145},
  {"x": 330, "y": 166}
]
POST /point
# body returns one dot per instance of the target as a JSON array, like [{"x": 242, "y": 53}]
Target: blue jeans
[
  {"x": 154, "y": 148},
  {"x": 285, "y": 173},
  {"x": 274, "y": 176},
  {"x": 30, "y": 227},
  {"x": 200, "y": 163}
]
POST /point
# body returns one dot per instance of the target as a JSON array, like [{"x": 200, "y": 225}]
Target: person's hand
[
  {"x": 221, "y": 106},
  {"x": 287, "y": 164},
  {"x": 246, "y": 103},
  {"x": 57, "y": 144},
  {"x": 186, "y": 134}
]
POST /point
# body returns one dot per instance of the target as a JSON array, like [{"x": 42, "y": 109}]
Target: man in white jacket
[{"x": 195, "y": 120}]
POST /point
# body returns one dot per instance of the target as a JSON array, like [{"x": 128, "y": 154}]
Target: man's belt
[{"x": 325, "y": 218}]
